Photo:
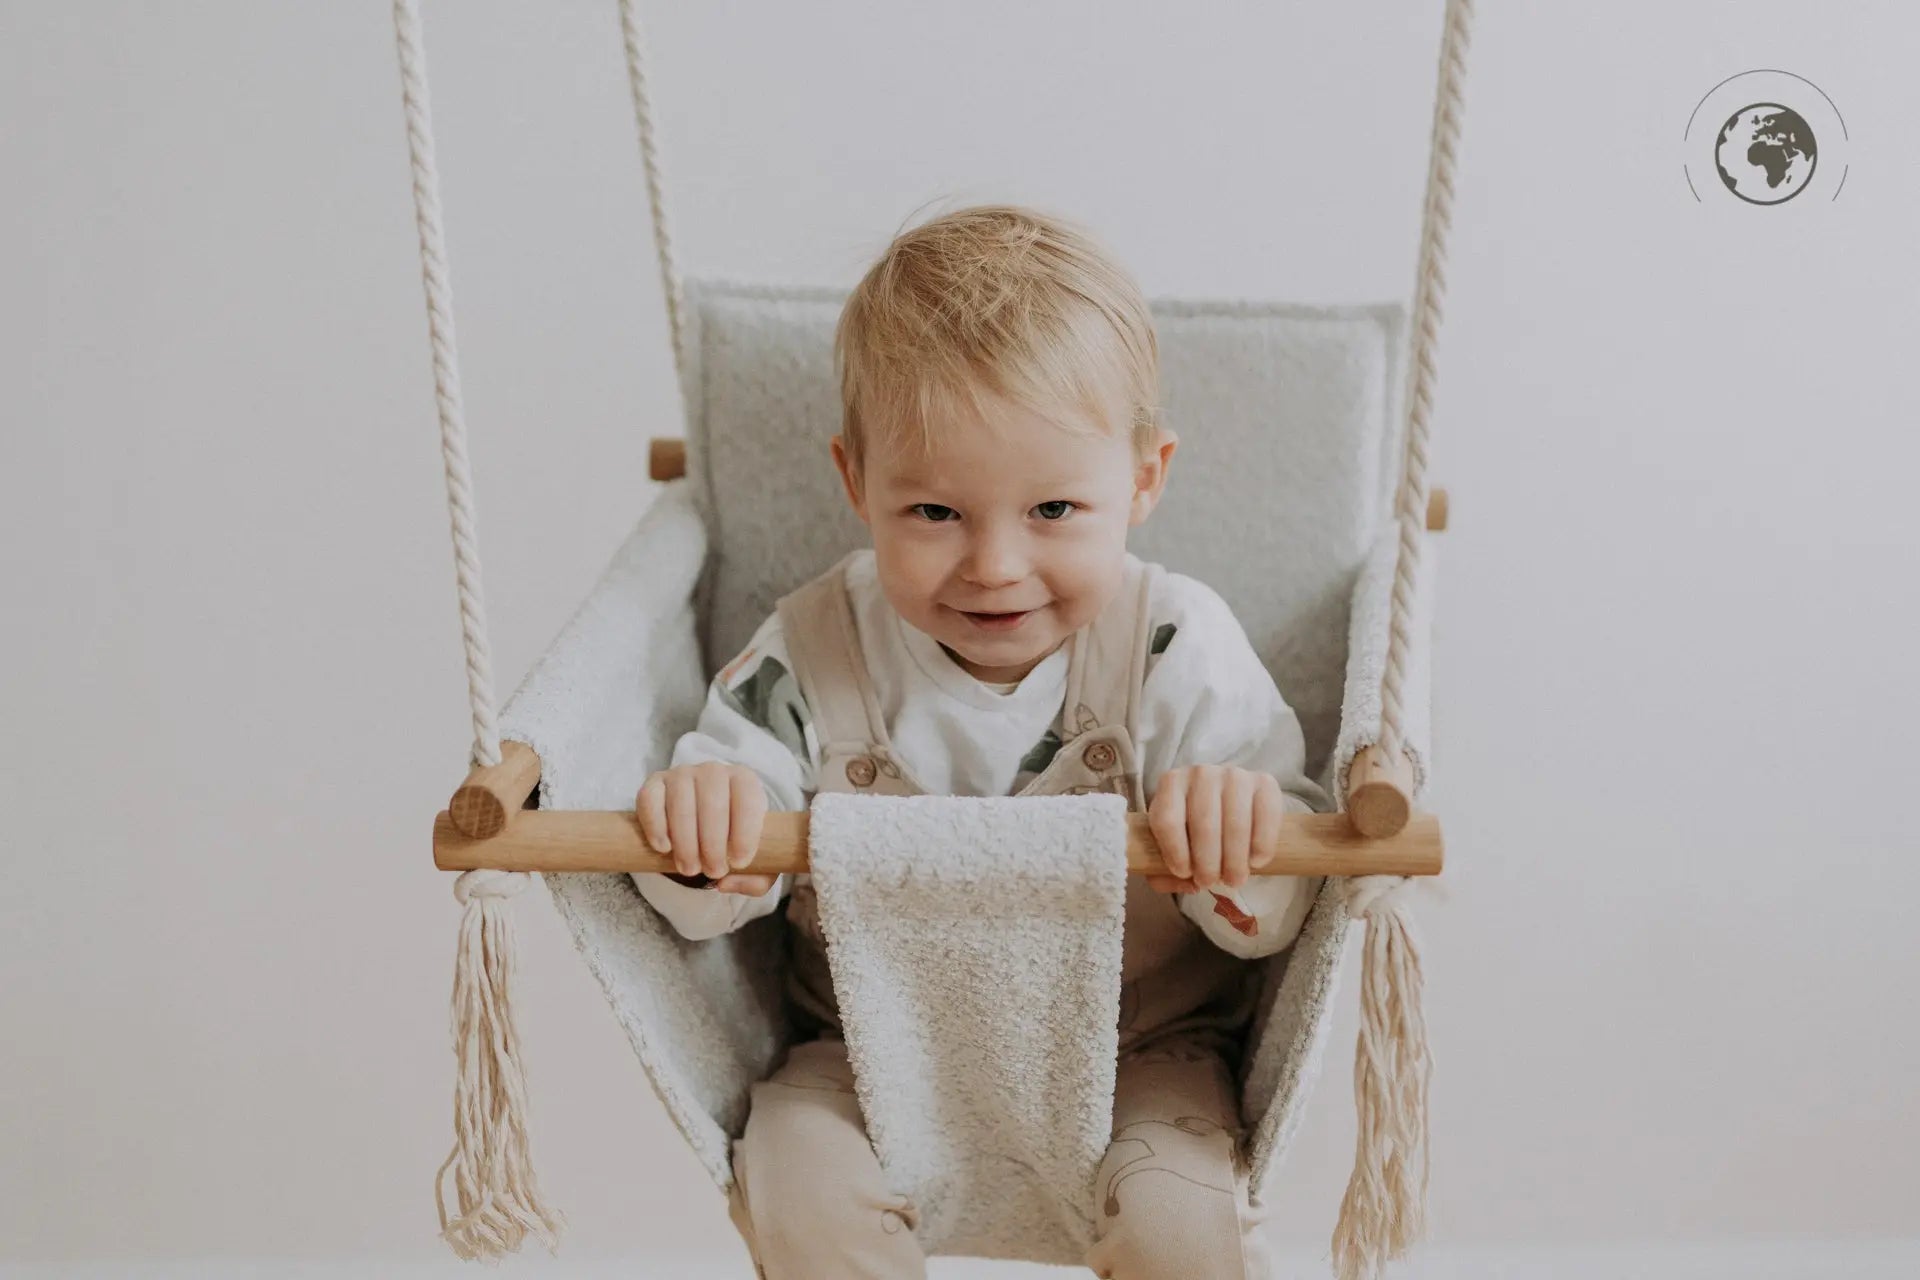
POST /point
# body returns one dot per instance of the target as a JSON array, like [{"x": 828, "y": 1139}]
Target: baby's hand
[
  {"x": 708, "y": 816},
  {"x": 1214, "y": 823}
]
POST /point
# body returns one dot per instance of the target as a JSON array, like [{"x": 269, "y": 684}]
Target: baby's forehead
[
  {"x": 955, "y": 477},
  {"x": 999, "y": 431},
  {"x": 1057, "y": 457}
]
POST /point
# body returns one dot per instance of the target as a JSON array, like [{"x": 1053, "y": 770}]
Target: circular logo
[
  {"x": 1766, "y": 153},
  {"x": 1764, "y": 135}
]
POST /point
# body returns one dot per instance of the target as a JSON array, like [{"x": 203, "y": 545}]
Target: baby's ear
[
  {"x": 849, "y": 478},
  {"x": 1150, "y": 477}
]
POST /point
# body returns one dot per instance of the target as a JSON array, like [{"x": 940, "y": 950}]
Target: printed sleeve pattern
[
  {"x": 1208, "y": 699},
  {"x": 753, "y": 716}
]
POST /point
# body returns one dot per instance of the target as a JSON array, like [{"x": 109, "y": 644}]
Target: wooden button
[
  {"x": 861, "y": 771},
  {"x": 1101, "y": 755}
]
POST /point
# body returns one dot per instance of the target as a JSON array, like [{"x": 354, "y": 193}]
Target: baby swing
[{"x": 1316, "y": 417}]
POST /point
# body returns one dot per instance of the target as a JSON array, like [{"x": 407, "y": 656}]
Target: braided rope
[
  {"x": 1384, "y": 1208},
  {"x": 671, "y": 283},
  {"x": 446, "y": 381},
  {"x": 1430, "y": 287}
]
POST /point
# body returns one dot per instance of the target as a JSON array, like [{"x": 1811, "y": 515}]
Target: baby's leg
[
  {"x": 809, "y": 1196},
  {"x": 1171, "y": 1199}
]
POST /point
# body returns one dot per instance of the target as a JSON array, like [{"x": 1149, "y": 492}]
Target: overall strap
[
  {"x": 817, "y": 623},
  {"x": 856, "y": 752},
  {"x": 1108, "y": 659}
]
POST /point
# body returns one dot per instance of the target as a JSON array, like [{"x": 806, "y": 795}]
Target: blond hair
[{"x": 996, "y": 299}]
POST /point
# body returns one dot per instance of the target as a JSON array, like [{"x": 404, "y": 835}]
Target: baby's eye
[
  {"x": 1055, "y": 510},
  {"x": 933, "y": 512}
]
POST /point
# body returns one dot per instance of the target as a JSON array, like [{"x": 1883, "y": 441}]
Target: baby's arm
[
  {"x": 1208, "y": 700},
  {"x": 753, "y": 716}
]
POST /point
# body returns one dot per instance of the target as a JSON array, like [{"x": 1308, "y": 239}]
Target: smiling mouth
[{"x": 995, "y": 621}]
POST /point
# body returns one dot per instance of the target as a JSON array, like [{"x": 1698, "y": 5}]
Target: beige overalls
[{"x": 1171, "y": 1197}]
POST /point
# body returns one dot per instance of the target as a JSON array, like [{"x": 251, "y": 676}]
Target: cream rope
[
  {"x": 670, "y": 280},
  {"x": 1430, "y": 287},
  {"x": 1384, "y": 1209},
  {"x": 498, "y": 1198},
  {"x": 446, "y": 382}
]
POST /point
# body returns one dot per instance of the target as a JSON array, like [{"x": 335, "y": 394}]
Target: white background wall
[{"x": 1673, "y": 987}]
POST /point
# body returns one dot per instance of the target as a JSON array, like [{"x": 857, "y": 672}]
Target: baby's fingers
[
  {"x": 1236, "y": 824},
  {"x": 1203, "y": 825},
  {"x": 1269, "y": 811},
  {"x": 745, "y": 882},
  {"x": 713, "y": 796},
  {"x": 650, "y": 806},
  {"x": 683, "y": 821},
  {"x": 747, "y": 811},
  {"x": 1167, "y": 819}
]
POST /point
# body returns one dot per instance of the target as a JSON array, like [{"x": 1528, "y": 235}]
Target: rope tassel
[
  {"x": 498, "y": 1197},
  {"x": 1385, "y": 1208}
]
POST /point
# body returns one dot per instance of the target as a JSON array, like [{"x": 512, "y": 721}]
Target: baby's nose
[{"x": 995, "y": 562}]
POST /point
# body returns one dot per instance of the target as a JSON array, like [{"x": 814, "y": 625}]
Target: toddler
[{"x": 1000, "y": 435}]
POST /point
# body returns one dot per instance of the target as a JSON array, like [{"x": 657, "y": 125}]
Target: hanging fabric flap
[{"x": 975, "y": 948}]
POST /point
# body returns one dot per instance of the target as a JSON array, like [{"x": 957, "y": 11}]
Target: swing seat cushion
[{"x": 1280, "y": 499}]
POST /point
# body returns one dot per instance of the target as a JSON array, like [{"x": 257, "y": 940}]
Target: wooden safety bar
[
  {"x": 485, "y": 826},
  {"x": 1316, "y": 844},
  {"x": 667, "y": 460}
]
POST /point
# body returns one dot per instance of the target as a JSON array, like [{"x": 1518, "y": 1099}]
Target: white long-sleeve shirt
[{"x": 1206, "y": 699}]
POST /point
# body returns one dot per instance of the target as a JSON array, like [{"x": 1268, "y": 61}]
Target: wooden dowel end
[
  {"x": 666, "y": 458},
  {"x": 1437, "y": 510},
  {"x": 1379, "y": 793},
  {"x": 1316, "y": 844},
  {"x": 493, "y": 793}
]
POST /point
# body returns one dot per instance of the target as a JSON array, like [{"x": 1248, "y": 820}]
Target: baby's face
[{"x": 1009, "y": 537}]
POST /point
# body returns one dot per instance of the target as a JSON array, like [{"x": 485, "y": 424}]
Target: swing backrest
[{"x": 1288, "y": 423}]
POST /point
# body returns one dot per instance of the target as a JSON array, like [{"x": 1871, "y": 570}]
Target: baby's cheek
[{"x": 1091, "y": 593}]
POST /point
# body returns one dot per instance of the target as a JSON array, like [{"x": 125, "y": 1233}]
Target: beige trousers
[{"x": 1171, "y": 1198}]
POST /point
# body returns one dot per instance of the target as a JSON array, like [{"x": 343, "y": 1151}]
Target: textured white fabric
[
  {"x": 1278, "y": 497},
  {"x": 980, "y": 985},
  {"x": 602, "y": 707},
  {"x": 1290, "y": 1036},
  {"x": 1206, "y": 699}
]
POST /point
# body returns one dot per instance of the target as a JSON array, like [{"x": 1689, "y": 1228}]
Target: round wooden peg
[
  {"x": 491, "y": 793},
  {"x": 1379, "y": 793}
]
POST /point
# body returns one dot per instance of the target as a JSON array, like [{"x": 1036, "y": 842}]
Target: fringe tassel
[
  {"x": 1385, "y": 1208},
  {"x": 499, "y": 1199}
]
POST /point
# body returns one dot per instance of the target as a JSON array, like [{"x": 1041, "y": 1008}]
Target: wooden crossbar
[{"x": 1315, "y": 844}]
